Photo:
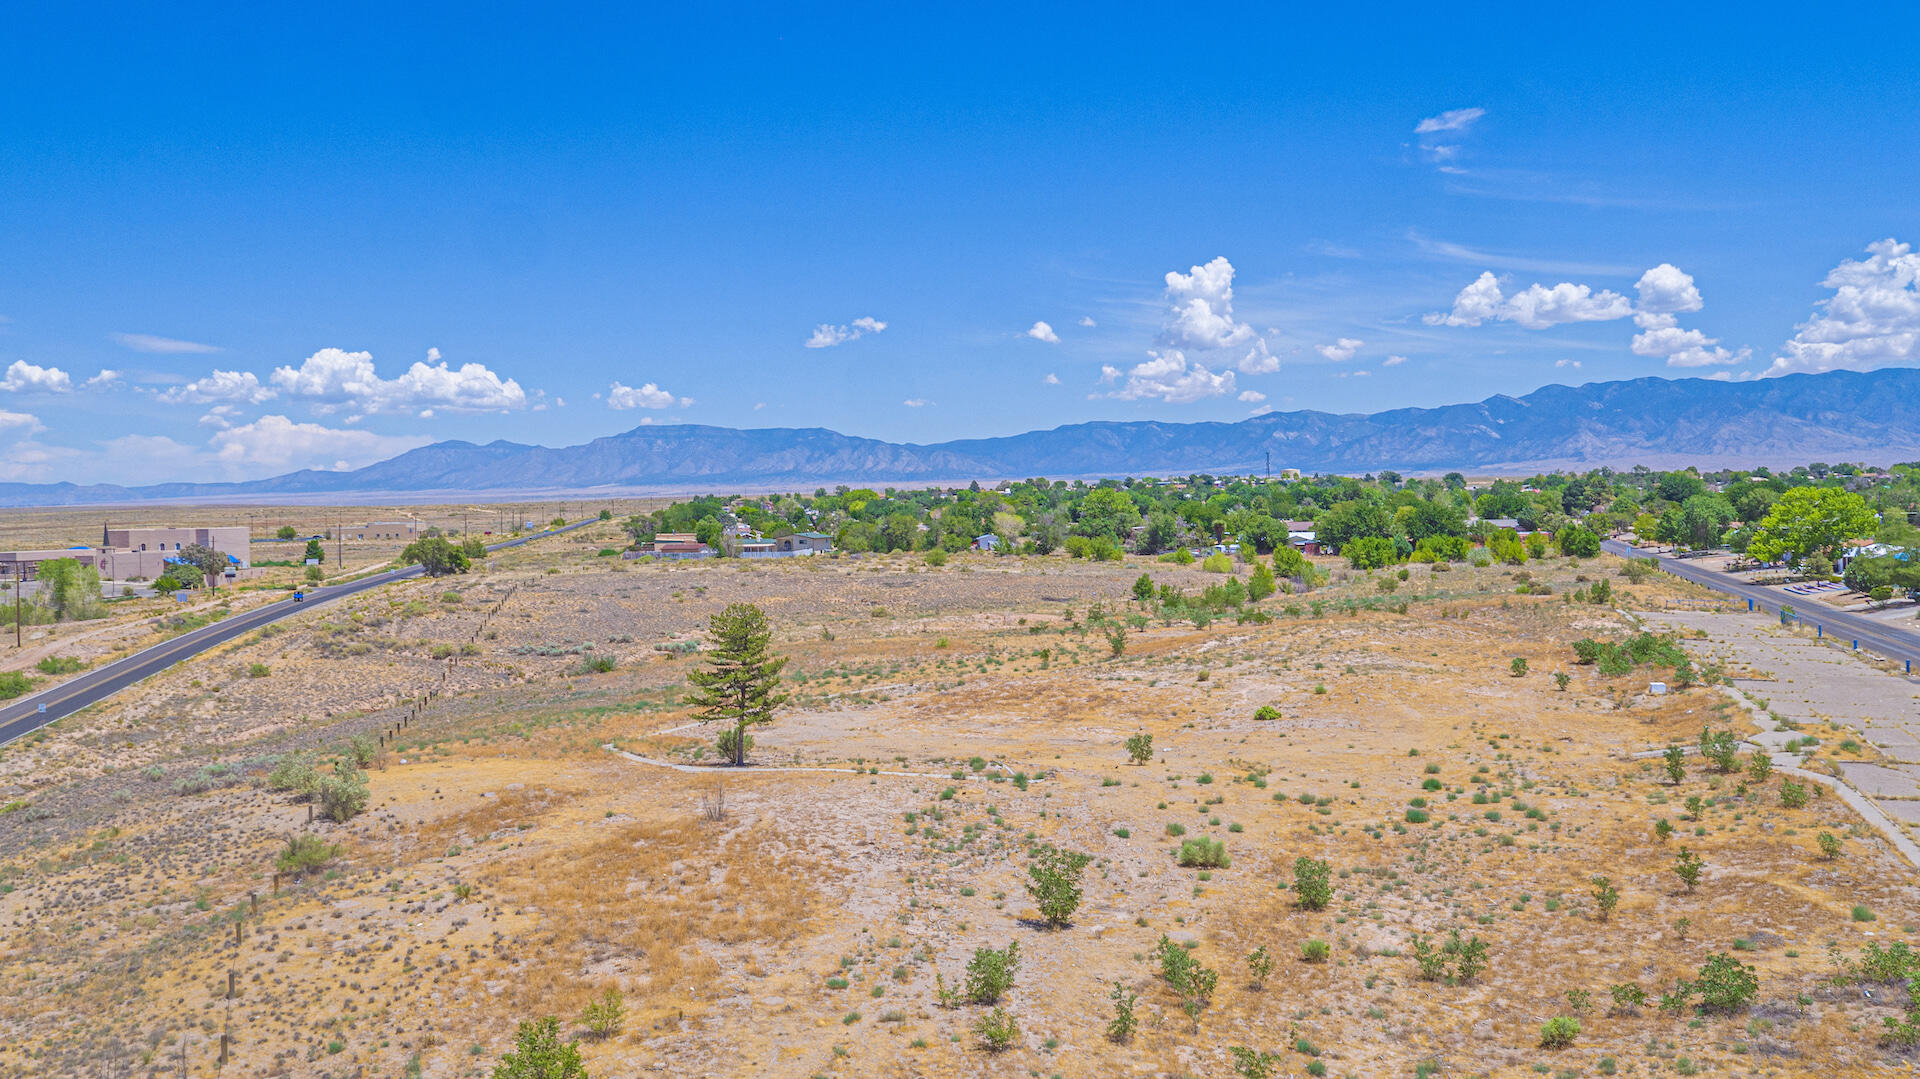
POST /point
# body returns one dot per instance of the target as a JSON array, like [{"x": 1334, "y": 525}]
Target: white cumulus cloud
[
  {"x": 230, "y": 386},
  {"x": 1259, "y": 360},
  {"x": 107, "y": 377},
  {"x": 337, "y": 380},
  {"x": 1567, "y": 363},
  {"x": 1667, "y": 290},
  {"x": 1872, "y": 319},
  {"x": 1040, "y": 331},
  {"x": 1342, "y": 350},
  {"x": 1393, "y": 361},
  {"x": 1202, "y": 308},
  {"x": 24, "y": 377},
  {"x": 1170, "y": 377},
  {"x": 827, "y": 335},
  {"x": 1536, "y": 307},
  {"x": 1087, "y": 321},
  {"x": 622, "y": 397},
  {"x": 1051, "y": 379},
  {"x": 1252, "y": 397}
]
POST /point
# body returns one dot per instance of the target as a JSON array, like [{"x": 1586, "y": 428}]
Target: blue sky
[{"x": 317, "y": 240}]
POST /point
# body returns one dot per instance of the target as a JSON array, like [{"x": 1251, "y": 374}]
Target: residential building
[{"x": 804, "y": 543}]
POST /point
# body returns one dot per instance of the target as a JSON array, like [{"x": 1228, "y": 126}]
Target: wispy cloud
[
  {"x": 1453, "y": 252},
  {"x": 146, "y": 342}
]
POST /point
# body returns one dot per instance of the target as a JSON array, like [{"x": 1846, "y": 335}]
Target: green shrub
[
  {"x": 997, "y": 1030},
  {"x": 1124, "y": 1023},
  {"x": 1205, "y": 853},
  {"x": 604, "y": 1017},
  {"x": 1726, "y": 984},
  {"x": 305, "y": 853},
  {"x": 538, "y": 1053},
  {"x": 1055, "y": 883},
  {"x": 1217, "y": 562},
  {"x": 1312, "y": 882},
  {"x": 258, "y": 670},
  {"x": 60, "y": 665},
  {"x": 13, "y": 684},
  {"x": 990, "y": 973},
  {"x": 1829, "y": 846},
  {"x": 1186, "y": 976},
  {"x": 1559, "y": 1032},
  {"x": 1140, "y": 748},
  {"x": 1315, "y": 951},
  {"x": 1266, "y": 712}
]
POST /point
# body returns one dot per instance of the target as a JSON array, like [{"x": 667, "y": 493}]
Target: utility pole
[
  {"x": 339, "y": 544},
  {"x": 19, "y": 578},
  {"x": 1269, "y": 466}
]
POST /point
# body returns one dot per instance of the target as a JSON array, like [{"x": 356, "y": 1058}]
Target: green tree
[
  {"x": 436, "y": 555},
  {"x": 1289, "y": 564},
  {"x": 1055, "y": 883},
  {"x": 1578, "y": 541},
  {"x": 741, "y": 684},
  {"x": 1260, "y": 583},
  {"x": 286, "y": 532},
  {"x": 1808, "y": 521},
  {"x": 1162, "y": 532},
  {"x": 209, "y": 562},
  {"x": 1106, "y": 512},
  {"x": 315, "y": 551},
  {"x": 70, "y": 590},
  {"x": 1370, "y": 552},
  {"x": 1675, "y": 763},
  {"x": 474, "y": 548},
  {"x": 538, "y": 1053}
]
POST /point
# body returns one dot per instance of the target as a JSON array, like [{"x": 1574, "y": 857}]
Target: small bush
[
  {"x": 1315, "y": 951},
  {"x": 1559, "y": 1032},
  {"x": 1312, "y": 882},
  {"x": 1266, "y": 712},
  {"x": 997, "y": 1030},
  {"x": 990, "y": 973},
  {"x": 305, "y": 853},
  {"x": 604, "y": 1017},
  {"x": 1205, "y": 853}
]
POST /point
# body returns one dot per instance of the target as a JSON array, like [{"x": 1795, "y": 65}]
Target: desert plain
[{"x": 542, "y": 829}]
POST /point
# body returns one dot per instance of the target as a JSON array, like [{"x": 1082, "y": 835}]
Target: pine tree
[{"x": 742, "y": 680}]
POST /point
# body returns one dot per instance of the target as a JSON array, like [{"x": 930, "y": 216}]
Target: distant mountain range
[{"x": 1661, "y": 423}]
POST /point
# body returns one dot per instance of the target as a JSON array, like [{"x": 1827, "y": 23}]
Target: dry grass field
[{"x": 801, "y": 917}]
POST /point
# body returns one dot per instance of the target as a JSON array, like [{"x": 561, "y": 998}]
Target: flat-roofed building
[{"x": 234, "y": 541}]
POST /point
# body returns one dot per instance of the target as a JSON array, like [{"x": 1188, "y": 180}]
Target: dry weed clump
[{"x": 663, "y": 904}]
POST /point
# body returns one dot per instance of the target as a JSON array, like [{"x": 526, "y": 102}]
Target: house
[
  {"x": 739, "y": 530},
  {"x": 754, "y": 548},
  {"x": 1289, "y": 475},
  {"x": 803, "y": 543},
  {"x": 988, "y": 542},
  {"x": 1303, "y": 540}
]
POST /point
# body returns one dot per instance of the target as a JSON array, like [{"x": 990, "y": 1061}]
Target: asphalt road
[
  {"x": 29, "y": 714},
  {"x": 1889, "y": 641}
]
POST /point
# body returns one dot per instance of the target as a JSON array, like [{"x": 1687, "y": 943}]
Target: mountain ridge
[{"x": 1654, "y": 421}]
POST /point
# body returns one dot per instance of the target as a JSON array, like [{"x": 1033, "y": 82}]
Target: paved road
[
  {"x": 1889, "y": 641},
  {"x": 25, "y": 716}
]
